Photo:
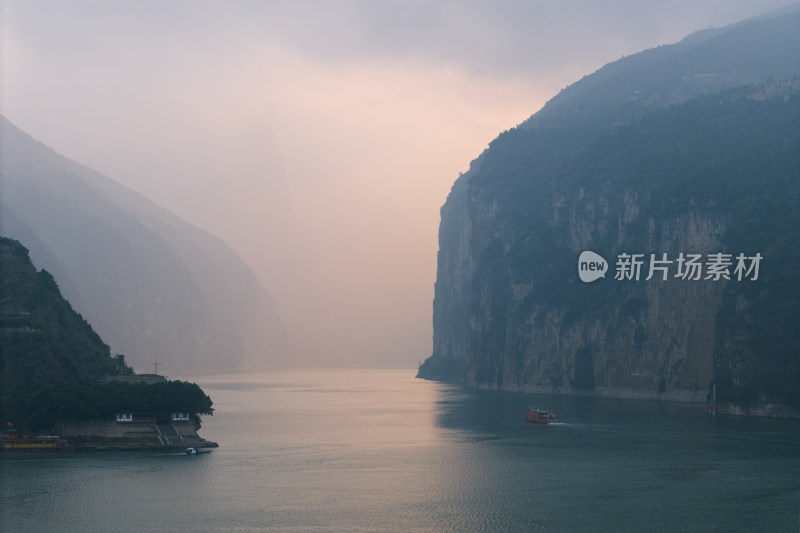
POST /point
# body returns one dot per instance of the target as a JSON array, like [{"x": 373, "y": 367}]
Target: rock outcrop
[{"x": 639, "y": 158}]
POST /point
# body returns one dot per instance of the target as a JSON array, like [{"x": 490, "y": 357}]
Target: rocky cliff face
[
  {"x": 655, "y": 340},
  {"x": 713, "y": 174}
]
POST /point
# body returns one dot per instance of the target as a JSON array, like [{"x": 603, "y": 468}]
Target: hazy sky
[{"x": 317, "y": 138}]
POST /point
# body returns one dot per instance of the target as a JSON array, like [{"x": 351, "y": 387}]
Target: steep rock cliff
[{"x": 674, "y": 167}]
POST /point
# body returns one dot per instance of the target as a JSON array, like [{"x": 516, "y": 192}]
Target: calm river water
[{"x": 377, "y": 450}]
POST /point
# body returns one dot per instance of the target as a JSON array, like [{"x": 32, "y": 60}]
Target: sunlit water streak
[{"x": 377, "y": 450}]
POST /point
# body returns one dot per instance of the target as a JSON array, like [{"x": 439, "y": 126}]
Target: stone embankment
[{"x": 108, "y": 434}]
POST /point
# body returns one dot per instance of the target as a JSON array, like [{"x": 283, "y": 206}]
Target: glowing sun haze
[{"x": 318, "y": 139}]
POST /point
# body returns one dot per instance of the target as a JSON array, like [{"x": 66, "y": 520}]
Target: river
[{"x": 378, "y": 450}]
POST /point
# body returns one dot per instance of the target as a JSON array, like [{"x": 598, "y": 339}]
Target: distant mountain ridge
[
  {"x": 155, "y": 287},
  {"x": 679, "y": 149},
  {"x": 746, "y": 53}
]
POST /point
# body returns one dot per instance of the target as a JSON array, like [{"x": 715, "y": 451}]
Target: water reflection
[
  {"x": 616, "y": 465},
  {"x": 499, "y": 415},
  {"x": 377, "y": 450}
]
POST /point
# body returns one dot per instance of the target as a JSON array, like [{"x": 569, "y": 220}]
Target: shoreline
[
  {"x": 764, "y": 409},
  {"x": 117, "y": 445}
]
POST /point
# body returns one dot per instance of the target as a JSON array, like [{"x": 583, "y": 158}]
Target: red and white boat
[{"x": 540, "y": 416}]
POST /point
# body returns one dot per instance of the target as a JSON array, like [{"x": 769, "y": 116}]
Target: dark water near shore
[{"x": 379, "y": 450}]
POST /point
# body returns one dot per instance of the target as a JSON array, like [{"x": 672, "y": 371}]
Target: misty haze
[{"x": 400, "y": 266}]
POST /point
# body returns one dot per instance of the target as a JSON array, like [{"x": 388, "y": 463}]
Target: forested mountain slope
[{"x": 690, "y": 149}]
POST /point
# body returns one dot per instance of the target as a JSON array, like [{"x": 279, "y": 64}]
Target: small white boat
[{"x": 193, "y": 451}]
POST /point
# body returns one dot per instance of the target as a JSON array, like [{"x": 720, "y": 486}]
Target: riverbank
[
  {"x": 88, "y": 435},
  {"x": 113, "y": 444}
]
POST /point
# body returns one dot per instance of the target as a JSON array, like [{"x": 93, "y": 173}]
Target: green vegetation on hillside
[
  {"x": 98, "y": 401},
  {"x": 689, "y": 148},
  {"x": 52, "y": 361},
  {"x": 727, "y": 155}
]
